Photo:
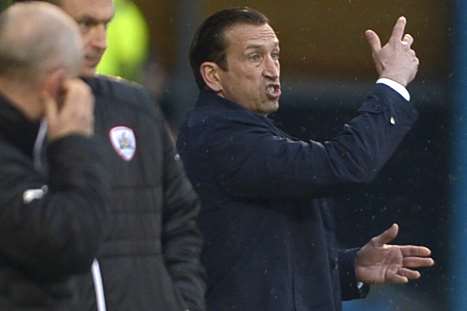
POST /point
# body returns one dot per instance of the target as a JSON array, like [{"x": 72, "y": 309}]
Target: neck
[{"x": 22, "y": 97}]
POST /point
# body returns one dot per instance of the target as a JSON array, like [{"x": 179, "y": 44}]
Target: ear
[{"x": 210, "y": 72}]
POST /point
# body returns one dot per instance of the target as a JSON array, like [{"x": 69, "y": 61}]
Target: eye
[
  {"x": 275, "y": 56},
  {"x": 85, "y": 25},
  {"x": 255, "y": 57}
]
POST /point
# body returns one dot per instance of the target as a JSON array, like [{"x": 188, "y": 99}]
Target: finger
[
  {"x": 409, "y": 274},
  {"x": 82, "y": 91},
  {"x": 68, "y": 91},
  {"x": 418, "y": 251},
  {"x": 397, "y": 279},
  {"x": 77, "y": 98},
  {"x": 386, "y": 237},
  {"x": 407, "y": 40},
  {"x": 50, "y": 107},
  {"x": 373, "y": 40},
  {"x": 417, "y": 262},
  {"x": 398, "y": 30}
]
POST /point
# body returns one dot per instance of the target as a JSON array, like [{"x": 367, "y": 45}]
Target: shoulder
[
  {"x": 217, "y": 125},
  {"x": 118, "y": 91},
  {"x": 113, "y": 86},
  {"x": 220, "y": 115}
]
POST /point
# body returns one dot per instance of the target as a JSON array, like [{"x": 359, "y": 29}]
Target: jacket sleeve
[
  {"x": 254, "y": 161},
  {"x": 181, "y": 238},
  {"x": 51, "y": 227},
  {"x": 350, "y": 287}
]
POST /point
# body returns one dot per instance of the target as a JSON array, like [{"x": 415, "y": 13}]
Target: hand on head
[{"x": 74, "y": 115}]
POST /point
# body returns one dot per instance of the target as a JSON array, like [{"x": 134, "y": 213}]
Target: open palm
[{"x": 379, "y": 262}]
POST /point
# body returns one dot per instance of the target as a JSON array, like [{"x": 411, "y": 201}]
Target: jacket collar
[
  {"x": 15, "y": 128},
  {"x": 209, "y": 98}
]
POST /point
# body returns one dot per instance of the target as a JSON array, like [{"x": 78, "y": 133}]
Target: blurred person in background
[
  {"x": 53, "y": 185},
  {"x": 128, "y": 43},
  {"x": 128, "y": 54},
  {"x": 151, "y": 256},
  {"x": 4, "y": 4},
  {"x": 267, "y": 198}
]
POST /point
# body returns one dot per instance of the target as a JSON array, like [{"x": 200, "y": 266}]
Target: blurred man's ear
[{"x": 210, "y": 73}]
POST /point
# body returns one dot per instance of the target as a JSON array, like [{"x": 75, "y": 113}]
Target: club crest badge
[{"x": 124, "y": 142}]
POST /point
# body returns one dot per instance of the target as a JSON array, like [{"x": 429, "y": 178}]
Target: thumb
[
  {"x": 387, "y": 236},
  {"x": 373, "y": 40}
]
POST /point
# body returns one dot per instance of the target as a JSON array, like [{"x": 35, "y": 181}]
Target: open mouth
[
  {"x": 273, "y": 91},
  {"x": 94, "y": 60}
]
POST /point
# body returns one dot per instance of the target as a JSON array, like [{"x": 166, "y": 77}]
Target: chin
[
  {"x": 274, "y": 106},
  {"x": 270, "y": 108},
  {"x": 88, "y": 71}
]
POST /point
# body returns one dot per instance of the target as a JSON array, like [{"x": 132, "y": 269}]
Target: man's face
[
  {"x": 92, "y": 17},
  {"x": 253, "y": 70}
]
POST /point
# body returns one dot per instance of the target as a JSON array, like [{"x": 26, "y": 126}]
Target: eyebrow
[
  {"x": 87, "y": 18},
  {"x": 257, "y": 46},
  {"x": 254, "y": 46}
]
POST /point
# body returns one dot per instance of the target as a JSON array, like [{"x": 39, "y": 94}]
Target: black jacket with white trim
[
  {"x": 151, "y": 258},
  {"x": 51, "y": 221}
]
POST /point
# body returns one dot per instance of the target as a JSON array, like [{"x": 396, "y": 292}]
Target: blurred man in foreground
[
  {"x": 53, "y": 185},
  {"x": 267, "y": 210}
]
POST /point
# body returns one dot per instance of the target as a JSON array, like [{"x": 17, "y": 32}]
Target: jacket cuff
[
  {"x": 385, "y": 100},
  {"x": 399, "y": 88},
  {"x": 351, "y": 288}
]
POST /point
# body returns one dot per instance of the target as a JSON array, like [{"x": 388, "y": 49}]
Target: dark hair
[{"x": 209, "y": 44}]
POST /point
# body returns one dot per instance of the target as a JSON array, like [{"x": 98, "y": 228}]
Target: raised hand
[
  {"x": 396, "y": 60},
  {"x": 75, "y": 115},
  {"x": 378, "y": 262}
]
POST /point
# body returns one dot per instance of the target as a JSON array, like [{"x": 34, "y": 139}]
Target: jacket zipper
[
  {"x": 38, "y": 144},
  {"x": 98, "y": 286}
]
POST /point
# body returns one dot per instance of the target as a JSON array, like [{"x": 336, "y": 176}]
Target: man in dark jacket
[
  {"x": 151, "y": 258},
  {"x": 53, "y": 185},
  {"x": 266, "y": 197}
]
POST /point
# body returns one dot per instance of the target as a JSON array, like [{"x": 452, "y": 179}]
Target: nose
[
  {"x": 99, "y": 37},
  {"x": 271, "y": 68}
]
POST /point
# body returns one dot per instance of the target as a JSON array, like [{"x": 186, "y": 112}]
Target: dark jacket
[
  {"x": 151, "y": 258},
  {"x": 51, "y": 221},
  {"x": 267, "y": 213}
]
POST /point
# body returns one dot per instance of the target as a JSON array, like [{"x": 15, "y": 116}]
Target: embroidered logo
[{"x": 124, "y": 142}]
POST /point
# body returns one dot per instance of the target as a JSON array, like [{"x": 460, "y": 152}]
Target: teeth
[{"x": 272, "y": 90}]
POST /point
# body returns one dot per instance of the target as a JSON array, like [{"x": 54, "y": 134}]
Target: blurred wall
[{"x": 322, "y": 39}]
